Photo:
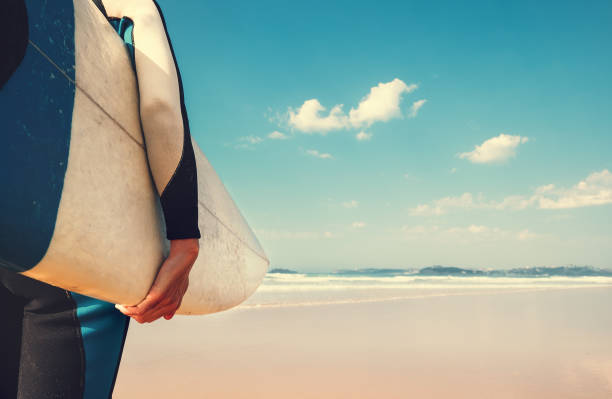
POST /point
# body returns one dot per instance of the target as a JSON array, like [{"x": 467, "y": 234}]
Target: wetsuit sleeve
[{"x": 163, "y": 115}]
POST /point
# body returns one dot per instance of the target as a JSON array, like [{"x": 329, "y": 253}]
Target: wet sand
[{"x": 541, "y": 344}]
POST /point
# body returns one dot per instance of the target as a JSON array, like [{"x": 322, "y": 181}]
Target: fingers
[
  {"x": 156, "y": 313},
  {"x": 170, "y": 315},
  {"x": 161, "y": 312},
  {"x": 150, "y": 309},
  {"x": 153, "y": 314},
  {"x": 155, "y": 306},
  {"x": 150, "y": 302},
  {"x": 169, "y": 287}
]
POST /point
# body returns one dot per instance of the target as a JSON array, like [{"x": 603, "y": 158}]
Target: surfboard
[{"x": 78, "y": 207}]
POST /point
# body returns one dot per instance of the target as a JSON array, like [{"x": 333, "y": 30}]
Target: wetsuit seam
[
  {"x": 20, "y": 354},
  {"x": 79, "y": 336}
]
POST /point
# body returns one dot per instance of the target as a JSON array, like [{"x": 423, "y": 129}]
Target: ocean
[{"x": 289, "y": 288}]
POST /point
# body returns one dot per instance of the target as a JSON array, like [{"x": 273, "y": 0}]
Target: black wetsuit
[{"x": 55, "y": 343}]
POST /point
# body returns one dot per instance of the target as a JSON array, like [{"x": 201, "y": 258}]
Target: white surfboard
[{"x": 108, "y": 240}]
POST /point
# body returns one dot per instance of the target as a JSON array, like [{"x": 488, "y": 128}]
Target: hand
[{"x": 171, "y": 283}]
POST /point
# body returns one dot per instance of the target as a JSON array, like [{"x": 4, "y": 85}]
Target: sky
[{"x": 407, "y": 134}]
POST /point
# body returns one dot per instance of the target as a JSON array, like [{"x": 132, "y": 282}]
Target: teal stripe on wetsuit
[
  {"x": 125, "y": 28},
  {"x": 103, "y": 330}
]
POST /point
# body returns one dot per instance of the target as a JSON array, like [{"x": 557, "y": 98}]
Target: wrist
[{"x": 190, "y": 246}]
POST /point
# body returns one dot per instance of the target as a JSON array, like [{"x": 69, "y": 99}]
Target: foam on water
[{"x": 290, "y": 290}]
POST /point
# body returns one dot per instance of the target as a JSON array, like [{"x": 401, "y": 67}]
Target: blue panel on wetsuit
[
  {"x": 103, "y": 330},
  {"x": 125, "y": 29},
  {"x": 35, "y": 121}
]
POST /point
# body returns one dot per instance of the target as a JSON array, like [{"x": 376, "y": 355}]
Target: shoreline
[{"x": 501, "y": 291}]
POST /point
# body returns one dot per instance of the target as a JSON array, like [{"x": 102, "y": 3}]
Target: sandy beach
[{"x": 553, "y": 343}]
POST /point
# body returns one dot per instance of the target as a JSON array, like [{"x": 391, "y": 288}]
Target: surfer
[{"x": 56, "y": 343}]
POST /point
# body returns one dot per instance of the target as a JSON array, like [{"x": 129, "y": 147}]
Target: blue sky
[{"x": 485, "y": 127}]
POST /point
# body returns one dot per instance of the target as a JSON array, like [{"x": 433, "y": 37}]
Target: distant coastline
[
  {"x": 438, "y": 270},
  {"x": 283, "y": 271}
]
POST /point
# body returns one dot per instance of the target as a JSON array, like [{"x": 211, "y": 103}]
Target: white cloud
[
  {"x": 468, "y": 201},
  {"x": 358, "y": 225},
  {"x": 471, "y": 229},
  {"x": 307, "y": 118},
  {"x": 317, "y": 154},
  {"x": 441, "y": 206},
  {"x": 363, "y": 136},
  {"x": 416, "y": 106},
  {"x": 477, "y": 229},
  {"x": 513, "y": 202},
  {"x": 251, "y": 139},
  {"x": 525, "y": 235},
  {"x": 495, "y": 149},
  {"x": 381, "y": 104},
  {"x": 275, "y": 117},
  {"x": 595, "y": 189},
  {"x": 491, "y": 233},
  {"x": 247, "y": 142},
  {"x": 350, "y": 204},
  {"x": 276, "y": 135}
]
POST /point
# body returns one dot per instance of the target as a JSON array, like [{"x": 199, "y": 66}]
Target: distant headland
[{"x": 283, "y": 271}]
